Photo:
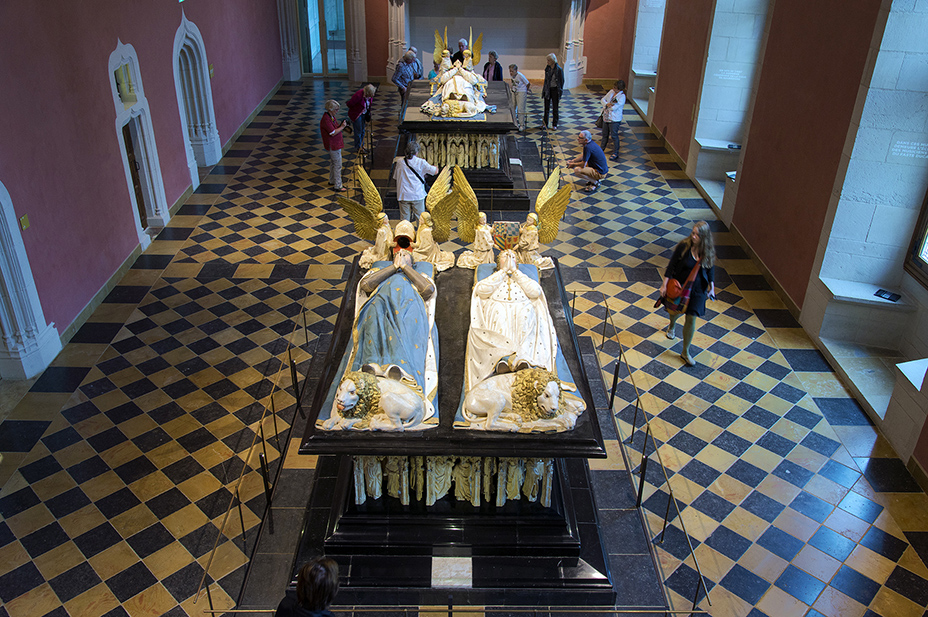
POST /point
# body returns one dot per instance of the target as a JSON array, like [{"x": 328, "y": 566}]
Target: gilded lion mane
[
  {"x": 368, "y": 391},
  {"x": 527, "y": 387}
]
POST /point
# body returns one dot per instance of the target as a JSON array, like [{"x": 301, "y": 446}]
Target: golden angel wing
[
  {"x": 467, "y": 205},
  {"x": 372, "y": 197},
  {"x": 468, "y": 219},
  {"x": 550, "y": 207},
  {"x": 440, "y": 46},
  {"x": 442, "y": 212},
  {"x": 440, "y": 188},
  {"x": 475, "y": 49},
  {"x": 365, "y": 221}
]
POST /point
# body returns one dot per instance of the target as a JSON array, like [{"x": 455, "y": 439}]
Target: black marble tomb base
[{"x": 522, "y": 553}]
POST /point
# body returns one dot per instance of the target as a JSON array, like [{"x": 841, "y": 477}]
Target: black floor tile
[
  {"x": 74, "y": 582},
  {"x": 855, "y": 585},
  {"x": 905, "y": 583},
  {"x": 888, "y": 475},
  {"x": 60, "y": 379},
  {"x": 884, "y": 544},
  {"x": 842, "y": 412},
  {"x": 804, "y": 587},
  {"x": 127, "y": 294},
  {"x": 17, "y": 582},
  {"x": 780, "y": 543},
  {"x": 744, "y": 584},
  {"x": 131, "y": 581},
  {"x": 832, "y": 543},
  {"x": 97, "y": 332}
]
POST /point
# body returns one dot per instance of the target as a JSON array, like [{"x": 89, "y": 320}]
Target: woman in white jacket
[{"x": 612, "y": 104}]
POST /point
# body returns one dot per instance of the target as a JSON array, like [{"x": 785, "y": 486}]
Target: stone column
[
  {"x": 572, "y": 45},
  {"x": 289, "y": 39},
  {"x": 356, "y": 40},
  {"x": 398, "y": 18}
]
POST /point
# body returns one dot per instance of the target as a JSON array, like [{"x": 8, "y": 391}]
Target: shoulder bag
[{"x": 677, "y": 297}]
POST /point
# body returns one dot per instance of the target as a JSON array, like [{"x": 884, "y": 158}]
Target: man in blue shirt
[
  {"x": 404, "y": 74},
  {"x": 591, "y": 165}
]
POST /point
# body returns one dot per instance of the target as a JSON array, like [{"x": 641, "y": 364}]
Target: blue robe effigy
[{"x": 393, "y": 327}]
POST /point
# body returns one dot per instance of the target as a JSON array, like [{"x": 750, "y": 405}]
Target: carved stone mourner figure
[{"x": 482, "y": 247}]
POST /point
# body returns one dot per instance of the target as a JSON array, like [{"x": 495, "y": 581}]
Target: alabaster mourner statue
[
  {"x": 391, "y": 371},
  {"x": 516, "y": 378}
]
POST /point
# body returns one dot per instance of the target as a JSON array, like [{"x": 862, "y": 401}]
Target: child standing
[{"x": 521, "y": 87}]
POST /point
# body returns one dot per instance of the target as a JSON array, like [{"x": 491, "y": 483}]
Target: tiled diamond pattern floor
[{"x": 119, "y": 463}]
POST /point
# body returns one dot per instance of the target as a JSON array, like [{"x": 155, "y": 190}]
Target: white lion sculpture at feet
[
  {"x": 531, "y": 399},
  {"x": 374, "y": 402}
]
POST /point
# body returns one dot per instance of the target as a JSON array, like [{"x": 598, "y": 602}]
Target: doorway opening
[
  {"x": 323, "y": 46},
  {"x": 137, "y": 144}
]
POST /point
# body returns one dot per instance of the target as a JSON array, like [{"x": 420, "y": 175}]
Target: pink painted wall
[
  {"x": 61, "y": 160},
  {"x": 921, "y": 448},
  {"x": 813, "y": 64},
  {"x": 683, "y": 54},
  {"x": 378, "y": 35},
  {"x": 608, "y": 38}
]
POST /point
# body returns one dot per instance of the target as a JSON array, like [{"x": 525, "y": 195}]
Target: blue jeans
[
  {"x": 358, "y": 126},
  {"x": 611, "y": 130}
]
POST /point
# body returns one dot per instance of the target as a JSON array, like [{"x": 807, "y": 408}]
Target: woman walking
[
  {"x": 551, "y": 91},
  {"x": 613, "y": 103},
  {"x": 693, "y": 264}
]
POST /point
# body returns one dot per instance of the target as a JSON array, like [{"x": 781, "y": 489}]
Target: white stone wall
[
  {"x": 523, "y": 32},
  {"x": 734, "y": 52},
  {"x": 887, "y": 168},
  {"x": 648, "y": 30}
]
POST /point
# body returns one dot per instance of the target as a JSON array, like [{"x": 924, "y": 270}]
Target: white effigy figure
[
  {"x": 461, "y": 91},
  {"x": 510, "y": 322},
  {"x": 516, "y": 379}
]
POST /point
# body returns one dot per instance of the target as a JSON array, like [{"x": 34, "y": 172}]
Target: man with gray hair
[
  {"x": 417, "y": 64},
  {"x": 459, "y": 54},
  {"x": 591, "y": 165},
  {"x": 404, "y": 74}
]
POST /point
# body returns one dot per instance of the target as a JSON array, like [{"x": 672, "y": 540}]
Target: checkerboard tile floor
[{"x": 119, "y": 463}]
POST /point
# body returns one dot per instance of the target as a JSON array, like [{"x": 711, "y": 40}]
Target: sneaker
[
  {"x": 687, "y": 359},
  {"x": 671, "y": 332}
]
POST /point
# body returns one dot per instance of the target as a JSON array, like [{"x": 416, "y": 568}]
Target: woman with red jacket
[
  {"x": 333, "y": 142},
  {"x": 358, "y": 106}
]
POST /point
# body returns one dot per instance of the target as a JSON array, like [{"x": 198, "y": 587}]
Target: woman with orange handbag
[{"x": 688, "y": 281}]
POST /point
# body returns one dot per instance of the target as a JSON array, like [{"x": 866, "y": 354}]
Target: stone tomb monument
[{"x": 386, "y": 502}]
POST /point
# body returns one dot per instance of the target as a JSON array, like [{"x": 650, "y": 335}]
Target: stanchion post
[
  {"x": 615, "y": 383},
  {"x": 241, "y": 517},
  {"x": 276, "y": 430},
  {"x": 305, "y": 329},
  {"x": 644, "y": 467},
  {"x": 296, "y": 389},
  {"x": 267, "y": 492}
]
